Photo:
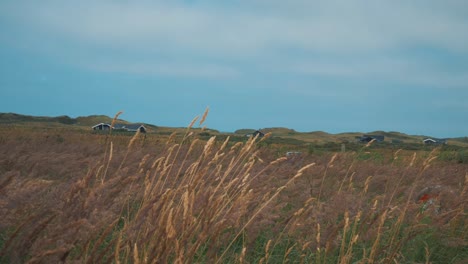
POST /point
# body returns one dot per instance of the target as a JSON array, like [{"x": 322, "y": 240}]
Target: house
[
  {"x": 435, "y": 141},
  {"x": 369, "y": 138},
  {"x": 258, "y": 133},
  {"x": 102, "y": 126},
  {"x": 130, "y": 127}
]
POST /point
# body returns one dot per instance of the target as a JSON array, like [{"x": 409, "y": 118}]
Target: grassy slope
[
  {"x": 319, "y": 137},
  {"x": 63, "y": 197}
]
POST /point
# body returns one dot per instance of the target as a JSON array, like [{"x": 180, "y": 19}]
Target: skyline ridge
[{"x": 108, "y": 119}]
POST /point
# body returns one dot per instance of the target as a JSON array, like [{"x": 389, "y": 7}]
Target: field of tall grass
[{"x": 78, "y": 197}]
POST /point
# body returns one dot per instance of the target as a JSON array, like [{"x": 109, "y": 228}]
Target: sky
[{"x": 333, "y": 66}]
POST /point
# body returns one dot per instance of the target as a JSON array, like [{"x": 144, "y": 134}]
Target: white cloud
[
  {"x": 207, "y": 39},
  {"x": 210, "y": 71},
  {"x": 336, "y": 26}
]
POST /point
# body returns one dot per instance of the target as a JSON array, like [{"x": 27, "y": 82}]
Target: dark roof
[
  {"x": 368, "y": 138},
  {"x": 259, "y": 133},
  {"x": 435, "y": 140},
  {"x": 101, "y": 124},
  {"x": 130, "y": 127}
]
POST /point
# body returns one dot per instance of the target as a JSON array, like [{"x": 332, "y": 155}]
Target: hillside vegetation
[
  {"x": 283, "y": 135},
  {"x": 12, "y": 118},
  {"x": 74, "y": 196}
]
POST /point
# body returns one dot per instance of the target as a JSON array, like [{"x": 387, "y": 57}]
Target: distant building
[
  {"x": 102, "y": 126},
  {"x": 121, "y": 127},
  {"x": 435, "y": 141},
  {"x": 258, "y": 133},
  {"x": 130, "y": 127},
  {"x": 369, "y": 138}
]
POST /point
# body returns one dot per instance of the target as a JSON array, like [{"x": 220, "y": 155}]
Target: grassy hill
[
  {"x": 96, "y": 119},
  {"x": 85, "y": 121},
  {"x": 9, "y": 118},
  {"x": 70, "y": 195},
  {"x": 324, "y": 137},
  {"x": 279, "y": 134}
]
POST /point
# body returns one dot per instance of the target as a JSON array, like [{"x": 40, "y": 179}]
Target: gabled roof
[
  {"x": 135, "y": 126},
  {"x": 101, "y": 124},
  {"x": 119, "y": 126},
  {"x": 259, "y": 133},
  {"x": 130, "y": 127},
  {"x": 368, "y": 138},
  {"x": 435, "y": 140}
]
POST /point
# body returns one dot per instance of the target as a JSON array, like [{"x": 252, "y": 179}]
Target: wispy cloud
[
  {"x": 400, "y": 70},
  {"x": 211, "y": 39},
  {"x": 333, "y": 26},
  {"x": 169, "y": 69}
]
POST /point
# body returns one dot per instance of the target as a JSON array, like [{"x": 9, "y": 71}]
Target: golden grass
[{"x": 185, "y": 200}]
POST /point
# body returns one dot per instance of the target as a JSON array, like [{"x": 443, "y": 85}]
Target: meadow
[{"x": 74, "y": 196}]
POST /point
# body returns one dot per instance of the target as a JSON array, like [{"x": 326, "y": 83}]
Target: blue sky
[{"x": 334, "y": 66}]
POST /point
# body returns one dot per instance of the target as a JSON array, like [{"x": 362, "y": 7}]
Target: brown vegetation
[{"x": 74, "y": 196}]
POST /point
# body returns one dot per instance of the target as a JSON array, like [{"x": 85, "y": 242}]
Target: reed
[{"x": 185, "y": 199}]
